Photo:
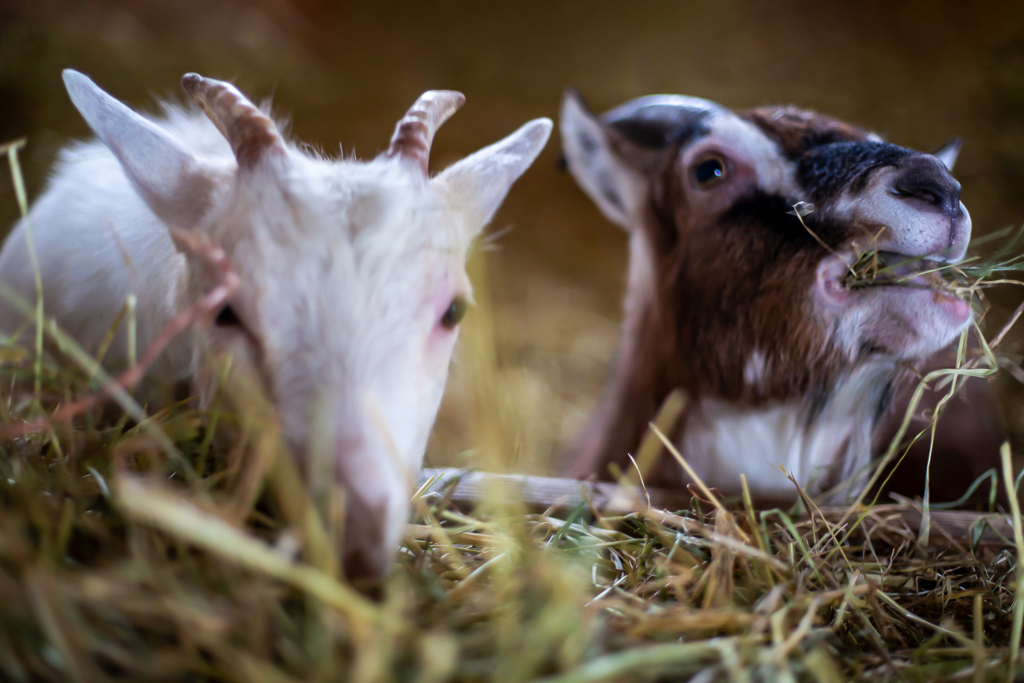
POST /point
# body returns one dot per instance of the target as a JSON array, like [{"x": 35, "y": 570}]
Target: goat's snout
[
  {"x": 367, "y": 554},
  {"x": 924, "y": 181},
  {"x": 924, "y": 178},
  {"x": 376, "y": 505}
]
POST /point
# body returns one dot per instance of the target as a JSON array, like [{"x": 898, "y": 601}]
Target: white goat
[{"x": 352, "y": 274}]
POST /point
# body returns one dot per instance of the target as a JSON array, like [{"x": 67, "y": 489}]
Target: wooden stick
[
  {"x": 469, "y": 487},
  {"x": 472, "y": 486}
]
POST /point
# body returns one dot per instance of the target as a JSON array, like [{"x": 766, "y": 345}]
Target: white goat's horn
[
  {"x": 415, "y": 131},
  {"x": 251, "y": 132}
]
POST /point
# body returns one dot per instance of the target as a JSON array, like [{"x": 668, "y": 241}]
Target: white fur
[
  {"x": 723, "y": 441},
  {"x": 756, "y": 369},
  {"x": 744, "y": 141},
  {"x": 910, "y": 231},
  {"x": 346, "y": 271}
]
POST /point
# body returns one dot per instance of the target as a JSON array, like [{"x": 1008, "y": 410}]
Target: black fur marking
[
  {"x": 661, "y": 132},
  {"x": 868, "y": 348},
  {"x": 818, "y": 399},
  {"x": 884, "y": 399},
  {"x": 768, "y": 211},
  {"x": 826, "y": 171}
]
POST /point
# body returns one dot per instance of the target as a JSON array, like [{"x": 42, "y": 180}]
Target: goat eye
[
  {"x": 455, "y": 313},
  {"x": 227, "y": 317},
  {"x": 710, "y": 171}
]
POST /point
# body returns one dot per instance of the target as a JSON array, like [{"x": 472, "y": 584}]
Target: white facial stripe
[{"x": 775, "y": 173}]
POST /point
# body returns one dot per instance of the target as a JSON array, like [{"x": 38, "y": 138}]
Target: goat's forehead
[
  {"x": 348, "y": 231},
  {"x": 366, "y": 259},
  {"x": 797, "y": 131},
  {"x": 347, "y": 299},
  {"x": 338, "y": 205}
]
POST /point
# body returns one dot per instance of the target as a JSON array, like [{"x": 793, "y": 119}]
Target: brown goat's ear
[
  {"x": 594, "y": 156},
  {"x": 948, "y": 152},
  {"x": 613, "y": 156}
]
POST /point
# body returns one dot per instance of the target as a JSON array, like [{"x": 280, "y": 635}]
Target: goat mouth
[
  {"x": 905, "y": 276},
  {"x": 891, "y": 269}
]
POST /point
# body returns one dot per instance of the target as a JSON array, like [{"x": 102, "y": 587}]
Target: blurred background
[{"x": 549, "y": 278}]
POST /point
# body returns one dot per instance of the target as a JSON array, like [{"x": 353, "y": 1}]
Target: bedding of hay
[{"x": 133, "y": 547}]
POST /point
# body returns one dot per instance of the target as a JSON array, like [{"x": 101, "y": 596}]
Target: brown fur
[
  {"x": 693, "y": 314},
  {"x": 797, "y": 130},
  {"x": 702, "y": 321}
]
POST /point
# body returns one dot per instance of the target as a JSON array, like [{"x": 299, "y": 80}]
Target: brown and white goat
[
  {"x": 352, "y": 276},
  {"x": 740, "y": 302}
]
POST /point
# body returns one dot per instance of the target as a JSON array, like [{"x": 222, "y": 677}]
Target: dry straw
[{"x": 133, "y": 547}]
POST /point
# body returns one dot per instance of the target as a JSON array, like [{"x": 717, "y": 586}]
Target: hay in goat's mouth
[
  {"x": 886, "y": 269},
  {"x": 875, "y": 268}
]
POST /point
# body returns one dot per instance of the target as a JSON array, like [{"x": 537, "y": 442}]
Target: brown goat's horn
[
  {"x": 415, "y": 131},
  {"x": 250, "y": 132}
]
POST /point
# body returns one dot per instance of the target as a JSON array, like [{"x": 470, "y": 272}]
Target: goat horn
[
  {"x": 250, "y": 132},
  {"x": 415, "y": 131}
]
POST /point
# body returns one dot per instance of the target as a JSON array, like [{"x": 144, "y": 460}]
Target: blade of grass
[
  {"x": 1018, "y": 587},
  {"x": 631, "y": 662},
  {"x": 693, "y": 475},
  {"x": 175, "y": 516},
  {"x": 22, "y": 196}
]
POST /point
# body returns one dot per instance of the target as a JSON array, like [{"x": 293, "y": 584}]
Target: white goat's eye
[
  {"x": 455, "y": 312},
  {"x": 709, "y": 171},
  {"x": 227, "y": 317}
]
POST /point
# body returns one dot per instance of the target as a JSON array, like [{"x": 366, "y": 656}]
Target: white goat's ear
[
  {"x": 168, "y": 177},
  {"x": 480, "y": 182},
  {"x": 948, "y": 153},
  {"x": 590, "y": 155}
]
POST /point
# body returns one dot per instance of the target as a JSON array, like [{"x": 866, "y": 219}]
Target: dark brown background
[{"x": 917, "y": 72}]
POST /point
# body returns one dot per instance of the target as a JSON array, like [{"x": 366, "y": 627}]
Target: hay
[
  {"x": 873, "y": 268},
  {"x": 134, "y": 548},
  {"x": 108, "y": 571}
]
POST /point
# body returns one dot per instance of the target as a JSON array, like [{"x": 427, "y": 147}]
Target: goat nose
[{"x": 924, "y": 178}]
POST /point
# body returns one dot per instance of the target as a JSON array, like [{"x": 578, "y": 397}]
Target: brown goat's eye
[
  {"x": 710, "y": 171},
  {"x": 227, "y": 317},
  {"x": 455, "y": 312}
]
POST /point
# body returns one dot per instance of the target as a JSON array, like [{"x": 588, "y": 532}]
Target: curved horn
[
  {"x": 250, "y": 132},
  {"x": 415, "y": 131}
]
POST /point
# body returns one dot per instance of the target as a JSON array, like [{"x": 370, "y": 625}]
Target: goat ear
[
  {"x": 948, "y": 153},
  {"x": 595, "y": 161},
  {"x": 169, "y": 178},
  {"x": 480, "y": 182}
]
